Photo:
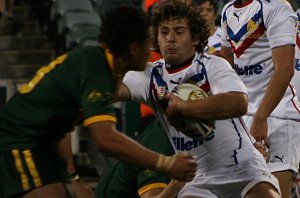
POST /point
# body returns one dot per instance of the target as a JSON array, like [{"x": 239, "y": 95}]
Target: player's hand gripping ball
[{"x": 191, "y": 127}]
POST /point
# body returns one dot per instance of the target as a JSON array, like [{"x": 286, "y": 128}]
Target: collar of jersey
[
  {"x": 238, "y": 4},
  {"x": 110, "y": 57},
  {"x": 176, "y": 68}
]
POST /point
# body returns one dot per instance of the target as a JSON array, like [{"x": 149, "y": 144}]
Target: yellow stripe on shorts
[
  {"x": 18, "y": 164},
  {"x": 32, "y": 168}
]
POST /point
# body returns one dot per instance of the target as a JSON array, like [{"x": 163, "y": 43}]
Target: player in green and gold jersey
[
  {"x": 43, "y": 110},
  {"x": 126, "y": 180}
]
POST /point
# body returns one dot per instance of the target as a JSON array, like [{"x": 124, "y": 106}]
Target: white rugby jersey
[
  {"x": 251, "y": 30},
  {"x": 214, "y": 75},
  {"x": 214, "y": 42}
]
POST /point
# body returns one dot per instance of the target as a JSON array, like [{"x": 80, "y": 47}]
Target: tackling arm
[{"x": 108, "y": 139}]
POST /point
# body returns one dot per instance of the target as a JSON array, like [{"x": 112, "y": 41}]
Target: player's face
[
  {"x": 141, "y": 55},
  {"x": 175, "y": 42},
  {"x": 208, "y": 12}
]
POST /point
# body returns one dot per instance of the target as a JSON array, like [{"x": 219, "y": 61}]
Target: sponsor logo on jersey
[
  {"x": 248, "y": 70},
  {"x": 149, "y": 172},
  {"x": 297, "y": 64},
  {"x": 237, "y": 16},
  {"x": 96, "y": 96},
  {"x": 279, "y": 157},
  {"x": 186, "y": 145},
  {"x": 251, "y": 26}
]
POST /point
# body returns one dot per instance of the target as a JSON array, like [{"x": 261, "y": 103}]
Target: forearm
[
  {"x": 122, "y": 148},
  {"x": 274, "y": 93},
  {"x": 283, "y": 59},
  {"x": 65, "y": 151},
  {"x": 221, "y": 106}
]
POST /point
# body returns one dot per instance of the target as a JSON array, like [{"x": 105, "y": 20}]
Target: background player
[
  {"x": 209, "y": 9},
  {"x": 258, "y": 38}
]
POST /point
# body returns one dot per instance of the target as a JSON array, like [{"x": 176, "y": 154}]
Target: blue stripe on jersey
[
  {"x": 217, "y": 45},
  {"x": 156, "y": 83},
  {"x": 240, "y": 142},
  {"x": 257, "y": 19}
]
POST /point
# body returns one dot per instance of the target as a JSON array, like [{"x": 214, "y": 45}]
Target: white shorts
[
  {"x": 231, "y": 181},
  {"x": 284, "y": 141}
]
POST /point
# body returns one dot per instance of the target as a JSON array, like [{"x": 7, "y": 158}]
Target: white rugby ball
[{"x": 196, "y": 129}]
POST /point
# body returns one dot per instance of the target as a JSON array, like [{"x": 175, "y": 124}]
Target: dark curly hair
[
  {"x": 123, "y": 25},
  {"x": 177, "y": 9}
]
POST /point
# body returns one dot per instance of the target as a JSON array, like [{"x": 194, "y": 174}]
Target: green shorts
[{"x": 26, "y": 169}]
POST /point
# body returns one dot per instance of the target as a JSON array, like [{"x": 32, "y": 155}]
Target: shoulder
[
  {"x": 273, "y": 5},
  {"x": 86, "y": 51},
  {"x": 210, "y": 60},
  {"x": 218, "y": 31}
]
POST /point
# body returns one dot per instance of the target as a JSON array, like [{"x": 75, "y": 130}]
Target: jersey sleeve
[
  {"x": 97, "y": 101},
  {"x": 224, "y": 41},
  {"x": 223, "y": 78},
  {"x": 91, "y": 84},
  {"x": 281, "y": 25},
  {"x": 138, "y": 84}
]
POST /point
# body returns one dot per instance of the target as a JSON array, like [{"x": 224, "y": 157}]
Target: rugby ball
[{"x": 193, "y": 128}]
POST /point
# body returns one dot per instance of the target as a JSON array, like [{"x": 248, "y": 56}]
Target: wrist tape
[
  {"x": 165, "y": 163},
  {"x": 74, "y": 176}
]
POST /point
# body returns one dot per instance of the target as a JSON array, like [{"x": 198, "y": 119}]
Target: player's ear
[{"x": 195, "y": 41}]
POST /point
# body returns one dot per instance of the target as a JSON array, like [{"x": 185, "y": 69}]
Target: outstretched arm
[{"x": 108, "y": 139}]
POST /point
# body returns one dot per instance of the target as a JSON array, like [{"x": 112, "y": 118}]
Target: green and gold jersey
[
  {"x": 46, "y": 107},
  {"x": 125, "y": 180}
]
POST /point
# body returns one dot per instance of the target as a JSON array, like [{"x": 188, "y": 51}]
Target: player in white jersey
[
  {"x": 228, "y": 164},
  {"x": 296, "y": 77},
  {"x": 208, "y": 9},
  {"x": 258, "y": 38},
  {"x": 296, "y": 84}
]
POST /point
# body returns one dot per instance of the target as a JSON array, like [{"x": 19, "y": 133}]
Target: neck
[
  {"x": 175, "y": 68},
  {"x": 212, "y": 29},
  {"x": 121, "y": 67}
]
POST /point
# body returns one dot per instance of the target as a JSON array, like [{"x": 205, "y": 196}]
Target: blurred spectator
[
  {"x": 6, "y": 8},
  {"x": 209, "y": 9},
  {"x": 2, "y": 7},
  {"x": 10, "y": 8}
]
